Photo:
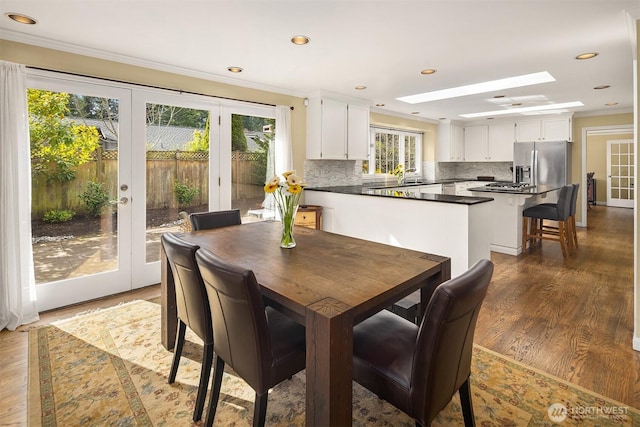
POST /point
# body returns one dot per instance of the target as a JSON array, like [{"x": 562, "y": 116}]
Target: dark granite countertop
[
  {"x": 361, "y": 190},
  {"x": 536, "y": 190}
]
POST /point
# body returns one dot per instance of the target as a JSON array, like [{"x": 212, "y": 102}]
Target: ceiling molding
[
  {"x": 606, "y": 112},
  {"x": 17, "y": 37}
]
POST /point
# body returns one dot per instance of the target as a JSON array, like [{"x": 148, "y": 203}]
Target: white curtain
[
  {"x": 280, "y": 157},
  {"x": 17, "y": 281}
]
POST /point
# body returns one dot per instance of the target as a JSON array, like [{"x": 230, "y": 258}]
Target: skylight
[
  {"x": 491, "y": 86},
  {"x": 524, "y": 109}
]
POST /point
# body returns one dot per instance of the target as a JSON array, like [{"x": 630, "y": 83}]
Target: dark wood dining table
[{"x": 328, "y": 283}]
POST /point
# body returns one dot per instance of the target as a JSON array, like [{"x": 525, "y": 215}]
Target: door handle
[{"x": 122, "y": 201}]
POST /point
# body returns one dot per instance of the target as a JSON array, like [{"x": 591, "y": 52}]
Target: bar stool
[
  {"x": 571, "y": 223},
  {"x": 534, "y": 216}
]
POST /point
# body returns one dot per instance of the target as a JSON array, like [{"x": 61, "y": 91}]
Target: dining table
[{"x": 328, "y": 283}]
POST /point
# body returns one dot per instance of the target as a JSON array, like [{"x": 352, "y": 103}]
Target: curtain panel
[{"x": 17, "y": 278}]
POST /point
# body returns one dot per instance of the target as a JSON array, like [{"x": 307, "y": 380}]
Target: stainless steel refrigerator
[{"x": 542, "y": 162}]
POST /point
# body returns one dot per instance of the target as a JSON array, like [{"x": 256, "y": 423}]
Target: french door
[
  {"x": 620, "y": 173},
  {"x": 97, "y": 221},
  {"x": 81, "y": 201}
]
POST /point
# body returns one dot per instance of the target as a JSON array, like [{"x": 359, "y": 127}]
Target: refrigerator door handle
[{"x": 534, "y": 167}]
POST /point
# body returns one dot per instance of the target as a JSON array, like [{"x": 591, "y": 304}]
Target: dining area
[{"x": 323, "y": 288}]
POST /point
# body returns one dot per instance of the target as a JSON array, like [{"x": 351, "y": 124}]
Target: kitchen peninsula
[
  {"x": 506, "y": 212},
  {"x": 442, "y": 224}
]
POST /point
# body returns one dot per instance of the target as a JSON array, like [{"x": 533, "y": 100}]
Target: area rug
[{"x": 108, "y": 368}]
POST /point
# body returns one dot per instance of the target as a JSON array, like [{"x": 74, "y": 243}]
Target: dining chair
[
  {"x": 261, "y": 345},
  {"x": 572, "y": 230},
  {"x": 418, "y": 369},
  {"x": 215, "y": 219},
  {"x": 193, "y": 311},
  {"x": 533, "y": 221}
]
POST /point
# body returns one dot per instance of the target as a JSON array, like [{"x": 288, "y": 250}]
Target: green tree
[
  {"x": 58, "y": 145},
  {"x": 200, "y": 141},
  {"x": 238, "y": 139}
]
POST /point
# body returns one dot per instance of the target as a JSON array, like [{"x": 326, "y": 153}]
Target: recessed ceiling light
[
  {"x": 428, "y": 71},
  {"x": 588, "y": 55},
  {"x": 490, "y": 118},
  {"x": 360, "y": 87},
  {"x": 235, "y": 69},
  {"x": 415, "y": 112},
  {"x": 524, "y": 109},
  {"x": 23, "y": 19},
  {"x": 499, "y": 96},
  {"x": 611, "y": 104},
  {"x": 516, "y": 104},
  {"x": 490, "y": 86},
  {"x": 300, "y": 40},
  {"x": 379, "y": 105},
  {"x": 602, "y": 87}
]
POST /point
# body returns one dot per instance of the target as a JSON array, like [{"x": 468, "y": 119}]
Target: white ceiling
[{"x": 382, "y": 45}]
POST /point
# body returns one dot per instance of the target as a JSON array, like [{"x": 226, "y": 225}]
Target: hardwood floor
[{"x": 571, "y": 317}]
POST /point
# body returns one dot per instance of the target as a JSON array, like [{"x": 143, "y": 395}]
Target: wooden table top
[{"x": 357, "y": 273}]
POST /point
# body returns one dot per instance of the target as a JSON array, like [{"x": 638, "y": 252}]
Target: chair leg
[
  {"x": 574, "y": 231},
  {"x": 205, "y": 372},
  {"x": 465, "y": 402},
  {"x": 260, "y": 409},
  {"x": 562, "y": 234},
  {"x": 177, "y": 351},
  {"x": 218, "y": 370}
]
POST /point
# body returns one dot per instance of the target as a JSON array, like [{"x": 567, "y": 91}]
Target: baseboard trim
[{"x": 636, "y": 343}]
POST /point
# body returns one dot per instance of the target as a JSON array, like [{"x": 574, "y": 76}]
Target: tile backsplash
[{"x": 327, "y": 173}]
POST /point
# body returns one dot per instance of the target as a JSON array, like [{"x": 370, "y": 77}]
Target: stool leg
[
  {"x": 525, "y": 233},
  {"x": 562, "y": 236}
]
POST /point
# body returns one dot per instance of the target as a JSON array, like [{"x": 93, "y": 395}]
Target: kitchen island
[
  {"x": 506, "y": 213},
  {"x": 448, "y": 225}
]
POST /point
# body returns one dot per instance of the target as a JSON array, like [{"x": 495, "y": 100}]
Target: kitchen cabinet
[
  {"x": 489, "y": 143},
  {"x": 309, "y": 216},
  {"x": 552, "y": 129},
  {"x": 462, "y": 187},
  {"x": 337, "y": 130},
  {"x": 450, "y": 142}
]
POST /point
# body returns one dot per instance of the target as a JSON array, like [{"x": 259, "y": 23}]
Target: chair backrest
[
  {"x": 442, "y": 357},
  {"x": 191, "y": 296},
  {"x": 574, "y": 199},
  {"x": 215, "y": 219},
  {"x": 564, "y": 202},
  {"x": 242, "y": 337}
]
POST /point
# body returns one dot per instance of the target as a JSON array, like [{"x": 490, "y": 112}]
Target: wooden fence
[{"x": 163, "y": 169}]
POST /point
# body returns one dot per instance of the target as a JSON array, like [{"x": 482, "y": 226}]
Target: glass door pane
[
  {"x": 252, "y": 138},
  {"x": 177, "y": 170}
]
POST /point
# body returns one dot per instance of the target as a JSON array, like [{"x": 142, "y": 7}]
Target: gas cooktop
[{"x": 515, "y": 186}]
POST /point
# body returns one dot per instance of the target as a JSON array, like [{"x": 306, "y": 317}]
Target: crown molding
[{"x": 43, "y": 42}]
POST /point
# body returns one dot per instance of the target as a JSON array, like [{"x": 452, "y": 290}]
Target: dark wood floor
[{"x": 571, "y": 317}]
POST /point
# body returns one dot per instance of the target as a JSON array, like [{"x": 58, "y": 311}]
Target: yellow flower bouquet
[{"x": 286, "y": 194}]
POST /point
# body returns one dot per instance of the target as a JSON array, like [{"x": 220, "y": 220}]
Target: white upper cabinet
[
  {"x": 450, "y": 142},
  {"x": 489, "y": 143},
  {"x": 551, "y": 129},
  {"x": 337, "y": 130}
]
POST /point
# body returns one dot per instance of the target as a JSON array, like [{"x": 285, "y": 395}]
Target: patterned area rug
[{"x": 108, "y": 368}]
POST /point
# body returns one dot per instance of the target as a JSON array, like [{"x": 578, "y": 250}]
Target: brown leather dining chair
[
  {"x": 418, "y": 369},
  {"x": 193, "y": 311},
  {"x": 262, "y": 346},
  {"x": 215, "y": 219}
]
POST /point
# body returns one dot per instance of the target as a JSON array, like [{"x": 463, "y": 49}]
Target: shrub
[
  {"x": 95, "y": 198},
  {"x": 184, "y": 193},
  {"x": 57, "y": 216}
]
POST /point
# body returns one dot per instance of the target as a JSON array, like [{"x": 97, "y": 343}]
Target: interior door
[
  {"x": 620, "y": 173},
  {"x": 81, "y": 189}
]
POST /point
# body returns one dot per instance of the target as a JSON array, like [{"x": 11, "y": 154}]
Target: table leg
[
  {"x": 168, "y": 308},
  {"x": 329, "y": 368},
  {"x": 432, "y": 283}
]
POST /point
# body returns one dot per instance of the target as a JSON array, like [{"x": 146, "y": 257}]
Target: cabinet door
[
  {"x": 501, "y": 139},
  {"x": 457, "y": 143},
  {"x": 556, "y": 129},
  {"x": 334, "y": 129},
  {"x": 528, "y": 131},
  {"x": 357, "y": 132},
  {"x": 476, "y": 143}
]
